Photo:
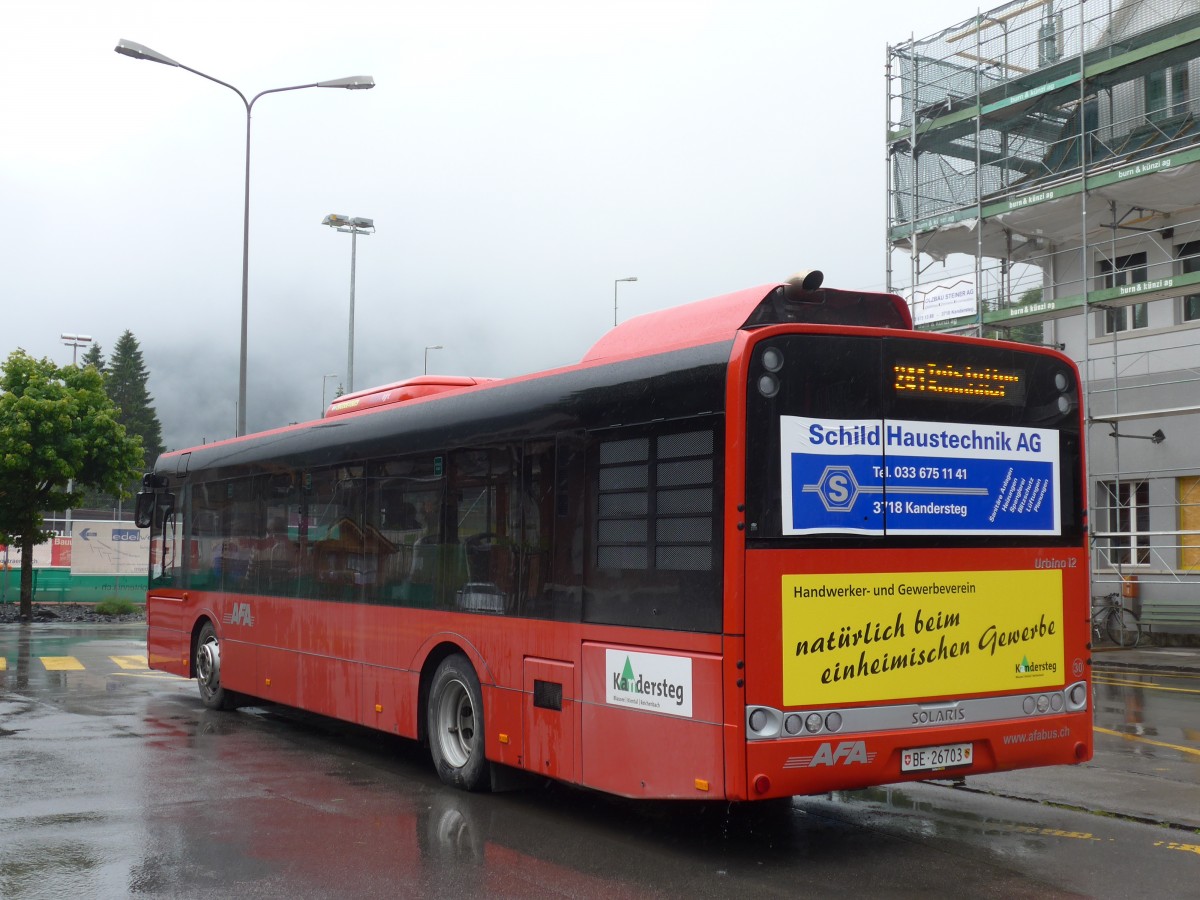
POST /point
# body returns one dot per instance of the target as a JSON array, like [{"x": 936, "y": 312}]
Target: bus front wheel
[
  {"x": 208, "y": 671},
  {"x": 455, "y": 724}
]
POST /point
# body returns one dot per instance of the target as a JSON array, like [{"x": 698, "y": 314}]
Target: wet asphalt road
[{"x": 115, "y": 782}]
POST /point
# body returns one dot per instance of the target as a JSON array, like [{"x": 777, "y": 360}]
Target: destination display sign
[
  {"x": 891, "y": 476},
  {"x": 955, "y": 381}
]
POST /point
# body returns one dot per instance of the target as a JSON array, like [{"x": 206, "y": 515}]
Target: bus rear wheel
[
  {"x": 454, "y": 722},
  {"x": 208, "y": 671}
]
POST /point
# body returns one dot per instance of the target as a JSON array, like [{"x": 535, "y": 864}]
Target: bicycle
[{"x": 1111, "y": 618}]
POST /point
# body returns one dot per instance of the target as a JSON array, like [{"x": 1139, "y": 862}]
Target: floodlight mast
[{"x": 354, "y": 225}]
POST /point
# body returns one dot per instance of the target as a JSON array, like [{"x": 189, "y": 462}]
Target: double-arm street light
[
  {"x": 615, "y": 283},
  {"x": 355, "y": 226},
  {"x": 325, "y": 381},
  {"x": 427, "y": 349},
  {"x": 357, "y": 82},
  {"x": 75, "y": 341}
]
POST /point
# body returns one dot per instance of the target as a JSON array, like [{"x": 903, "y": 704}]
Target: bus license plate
[{"x": 935, "y": 757}]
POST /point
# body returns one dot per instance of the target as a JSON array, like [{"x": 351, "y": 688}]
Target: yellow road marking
[
  {"x": 1150, "y": 687},
  {"x": 61, "y": 663},
  {"x": 1172, "y": 845},
  {"x": 1155, "y": 673},
  {"x": 1055, "y": 832},
  {"x": 146, "y": 674},
  {"x": 1142, "y": 740},
  {"x": 130, "y": 662}
]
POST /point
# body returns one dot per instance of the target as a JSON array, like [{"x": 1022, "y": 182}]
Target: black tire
[
  {"x": 454, "y": 724},
  {"x": 207, "y": 656},
  {"x": 1123, "y": 628}
]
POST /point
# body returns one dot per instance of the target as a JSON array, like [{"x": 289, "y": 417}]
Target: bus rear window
[{"x": 862, "y": 439}]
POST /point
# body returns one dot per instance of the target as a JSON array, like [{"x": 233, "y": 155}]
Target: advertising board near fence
[
  {"x": 91, "y": 548},
  {"x": 109, "y": 548}
]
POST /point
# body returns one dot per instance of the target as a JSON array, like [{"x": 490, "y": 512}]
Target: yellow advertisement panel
[{"x": 905, "y": 635}]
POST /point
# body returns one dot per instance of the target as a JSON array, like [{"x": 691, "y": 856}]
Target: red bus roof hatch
[{"x": 400, "y": 392}]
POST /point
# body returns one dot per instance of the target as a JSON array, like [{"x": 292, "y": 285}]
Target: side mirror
[{"x": 143, "y": 510}]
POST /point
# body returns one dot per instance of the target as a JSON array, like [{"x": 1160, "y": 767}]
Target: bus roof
[
  {"x": 691, "y": 325},
  {"x": 721, "y": 318}
]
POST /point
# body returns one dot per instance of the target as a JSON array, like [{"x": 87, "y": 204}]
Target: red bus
[{"x": 768, "y": 544}]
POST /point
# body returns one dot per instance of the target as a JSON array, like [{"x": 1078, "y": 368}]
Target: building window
[
  {"x": 1188, "y": 504},
  {"x": 1189, "y": 263},
  {"x": 1119, "y": 319},
  {"x": 1179, "y": 90},
  {"x": 1166, "y": 93},
  {"x": 1124, "y": 520},
  {"x": 1129, "y": 269}
]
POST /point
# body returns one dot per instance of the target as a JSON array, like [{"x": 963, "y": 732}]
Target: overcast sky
[{"x": 517, "y": 157}]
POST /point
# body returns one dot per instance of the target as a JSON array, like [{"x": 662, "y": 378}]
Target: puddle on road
[{"x": 941, "y": 819}]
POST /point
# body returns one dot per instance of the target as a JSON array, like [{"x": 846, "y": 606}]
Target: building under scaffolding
[{"x": 1044, "y": 185}]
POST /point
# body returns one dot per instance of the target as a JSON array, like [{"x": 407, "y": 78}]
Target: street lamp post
[
  {"x": 355, "y": 226},
  {"x": 427, "y": 349},
  {"x": 75, "y": 341},
  {"x": 615, "y": 283},
  {"x": 325, "y": 381},
  {"x": 356, "y": 82}
]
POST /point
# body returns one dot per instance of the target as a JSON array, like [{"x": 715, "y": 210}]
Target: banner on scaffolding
[{"x": 954, "y": 298}]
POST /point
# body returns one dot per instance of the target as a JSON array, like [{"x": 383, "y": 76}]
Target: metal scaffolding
[{"x": 1044, "y": 185}]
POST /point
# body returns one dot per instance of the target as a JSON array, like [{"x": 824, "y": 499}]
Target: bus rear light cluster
[
  {"x": 1073, "y": 699},
  {"x": 768, "y": 385},
  {"x": 763, "y": 722},
  {"x": 772, "y": 361},
  {"x": 1077, "y": 696},
  {"x": 1066, "y": 402}
]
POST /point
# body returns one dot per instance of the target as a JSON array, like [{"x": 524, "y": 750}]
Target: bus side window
[
  {"x": 339, "y": 559},
  {"x": 165, "y": 553},
  {"x": 482, "y": 569},
  {"x": 403, "y": 512},
  {"x": 277, "y": 565},
  {"x": 241, "y": 528},
  {"x": 533, "y": 518},
  {"x": 204, "y": 536},
  {"x": 562, "y": 529},
  {"x": 654, "y": 521}
]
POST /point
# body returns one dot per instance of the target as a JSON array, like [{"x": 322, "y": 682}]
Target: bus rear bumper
[{"x": 798, "y": 766}]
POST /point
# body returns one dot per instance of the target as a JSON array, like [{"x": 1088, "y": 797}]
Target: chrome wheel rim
[
  {"x": 455, "y": 720},
  {"x": 208, "y": 665}
]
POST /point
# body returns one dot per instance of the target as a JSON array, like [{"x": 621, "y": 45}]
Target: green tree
[
  {"x": 125, "y": 382},
  {"x": 59, "y": 435},
  {"x": 93, "y": 357}
]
